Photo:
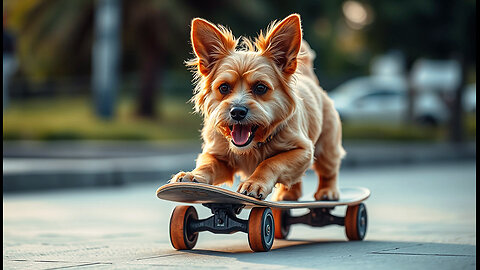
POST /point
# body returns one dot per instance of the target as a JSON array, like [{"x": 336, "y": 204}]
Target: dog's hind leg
[
  {"x": 328, "y": 155},
  {"x": 282, "y": 193}
]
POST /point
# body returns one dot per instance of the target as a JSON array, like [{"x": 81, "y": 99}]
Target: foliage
[
  {"x": 427, "y": 28},
  {"x": 55, "y": 36}
]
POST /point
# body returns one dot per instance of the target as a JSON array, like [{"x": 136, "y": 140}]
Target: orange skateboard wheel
[
  {"x": 356, "y": 222},
  {"x": 281, "y": 228},
  {"x": 180, "y": 237},
  {"x": 261, "y": 229}
]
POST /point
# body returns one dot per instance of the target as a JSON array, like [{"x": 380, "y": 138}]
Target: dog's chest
[{"x": 245, "y": 165}]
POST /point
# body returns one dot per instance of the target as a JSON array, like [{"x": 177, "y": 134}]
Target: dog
[{"x": 266, "y": 118}]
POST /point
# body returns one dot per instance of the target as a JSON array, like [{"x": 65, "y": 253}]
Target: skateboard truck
[
  {"x": 317, "y": 217},
  {"x": 223, "y": 220}
]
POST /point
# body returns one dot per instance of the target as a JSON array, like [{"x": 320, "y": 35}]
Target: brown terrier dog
[{"x": 265, "y": 115}]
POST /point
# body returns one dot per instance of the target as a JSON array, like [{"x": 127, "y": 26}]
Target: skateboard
[{"x": 267, "y": 220}]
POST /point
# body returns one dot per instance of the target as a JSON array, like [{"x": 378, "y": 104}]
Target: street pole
[
  {"x": 106, "y": 56},
  {"x": 456, "y": 119}
]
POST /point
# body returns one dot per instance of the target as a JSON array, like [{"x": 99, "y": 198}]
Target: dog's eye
[
  {"x": 224, "y": 89},
  {"x": 260, "y": 89}
]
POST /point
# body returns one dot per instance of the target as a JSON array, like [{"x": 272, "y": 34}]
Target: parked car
[
  {"x": 470, "y": 98},
  {"x": 381, "y": 99}
]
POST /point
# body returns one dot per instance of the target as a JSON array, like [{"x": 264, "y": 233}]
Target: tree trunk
[
  {"x": 146, "y": 106},
  {"x": 410, "y": 117},
  {"x": 456, "y": 119}
]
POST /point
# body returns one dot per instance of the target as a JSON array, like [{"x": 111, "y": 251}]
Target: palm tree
[{"x": 55, "y": 39}]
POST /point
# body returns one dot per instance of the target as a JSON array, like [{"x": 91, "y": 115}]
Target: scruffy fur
[{"x": 297, "y": 124}]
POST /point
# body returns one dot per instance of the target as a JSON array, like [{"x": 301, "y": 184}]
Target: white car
[
  {"x": 470, "y": 98},
  {"x": 382, "y": 99}
]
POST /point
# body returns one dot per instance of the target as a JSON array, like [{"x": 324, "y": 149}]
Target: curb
[{"x": 21, "y": 174}]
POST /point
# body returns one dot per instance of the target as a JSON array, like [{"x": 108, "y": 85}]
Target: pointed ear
[
  {"x": 282, "y": 43},
  {"x": 210, "y": 44}
]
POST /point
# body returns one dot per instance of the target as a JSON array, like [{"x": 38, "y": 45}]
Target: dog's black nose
[{"x": 238, "y": 113}]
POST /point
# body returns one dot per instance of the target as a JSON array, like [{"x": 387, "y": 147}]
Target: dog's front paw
[
  {"x": 188, "y": 177},
  {"x": 255, "y": 189},
  {"x": 327, "y": 194}
]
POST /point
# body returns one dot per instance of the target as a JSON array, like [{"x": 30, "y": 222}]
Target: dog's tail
[{"x": 305, "y": 61}]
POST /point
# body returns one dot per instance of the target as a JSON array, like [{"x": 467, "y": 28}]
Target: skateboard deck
[{"x": 204, "y": 193}]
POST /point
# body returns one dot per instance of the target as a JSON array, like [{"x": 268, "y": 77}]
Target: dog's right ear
[{"x": 210, "y": 44}]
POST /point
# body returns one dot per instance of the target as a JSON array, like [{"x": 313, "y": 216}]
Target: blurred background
[
  {"x": 96, "y": 117},
  {"x": 98, "y": 81}
]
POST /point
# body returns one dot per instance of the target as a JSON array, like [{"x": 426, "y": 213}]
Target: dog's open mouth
[{"x": 242, "y": 135}]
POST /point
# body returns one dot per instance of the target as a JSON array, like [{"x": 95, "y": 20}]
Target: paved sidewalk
[
  {"x": 37, "y": 165},
  {"x": 421, "y": 216}
]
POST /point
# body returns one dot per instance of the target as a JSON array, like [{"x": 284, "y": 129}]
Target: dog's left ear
[
  {"x": 283, "y": 42},
  {"x": 210, "y": 44}
]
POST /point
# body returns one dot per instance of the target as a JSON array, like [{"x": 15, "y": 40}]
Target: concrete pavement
[{"x": 420, "y": 217}]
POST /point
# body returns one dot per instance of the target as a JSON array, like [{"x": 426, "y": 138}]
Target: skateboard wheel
[
  {"x": 356, "y": 222},
  {"x": 281, "y": 227},
  {"x": 180, "y": 237},
  {"x": 261, "y": 229}
]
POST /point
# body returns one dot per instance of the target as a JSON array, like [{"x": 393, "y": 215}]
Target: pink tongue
[{"x": 240, "y": 134}]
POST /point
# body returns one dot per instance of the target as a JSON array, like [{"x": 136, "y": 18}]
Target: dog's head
[{"x": 244, "y": 93}]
